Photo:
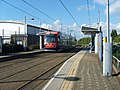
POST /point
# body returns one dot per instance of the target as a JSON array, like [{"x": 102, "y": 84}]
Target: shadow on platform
[
  {"x": 69, "y": 78},
  {"x": 116, "y": 74}
]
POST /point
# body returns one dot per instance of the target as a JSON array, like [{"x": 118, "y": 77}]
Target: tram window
[{"x": 50, "y": 38}]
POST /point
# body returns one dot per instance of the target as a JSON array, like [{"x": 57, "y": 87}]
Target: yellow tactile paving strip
[{"x": 68, "y": 84}]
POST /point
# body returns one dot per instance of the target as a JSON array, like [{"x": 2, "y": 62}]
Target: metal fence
[{"x": 118, "y": 61}]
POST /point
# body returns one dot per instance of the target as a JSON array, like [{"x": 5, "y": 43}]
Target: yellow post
[{"x": 105, "y": 39}]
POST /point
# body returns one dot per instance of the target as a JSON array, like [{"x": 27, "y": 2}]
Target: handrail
[
  {"x": 118, "y": 61},
  {"x": 91, "y": 49}
]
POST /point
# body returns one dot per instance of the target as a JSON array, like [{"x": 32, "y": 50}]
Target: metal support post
[
  {"x": 100, "y": 47},
  {"x": 96, "y": 43},
  {"x": 107, "y": 51},
  {"x": 107, "y": 59},
  {"x": 19, "y": 36},
  {"x": 24, "y": 41},
  {"x": 108, "y": 22},
  {"x": 40, "y": 41},
  {"x": 93, "y": 42},
  {"x": 25, "y": 33}
]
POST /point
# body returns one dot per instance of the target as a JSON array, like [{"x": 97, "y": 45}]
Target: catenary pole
[
  {"x": 108, "y": 22},
  {"x": 107, "y": 48}
]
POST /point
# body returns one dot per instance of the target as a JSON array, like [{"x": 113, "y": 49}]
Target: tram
[{"x": 57, "y": 41}]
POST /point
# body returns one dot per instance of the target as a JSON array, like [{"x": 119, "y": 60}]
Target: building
[{"x": 14, "y": 32}]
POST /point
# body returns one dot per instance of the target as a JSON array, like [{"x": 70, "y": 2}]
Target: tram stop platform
[
  {"x": 9, "y": 56},
  {"x": 83, "y": 71}
]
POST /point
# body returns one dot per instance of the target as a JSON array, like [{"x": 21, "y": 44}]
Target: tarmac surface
[{"x": 82, "y": 72}]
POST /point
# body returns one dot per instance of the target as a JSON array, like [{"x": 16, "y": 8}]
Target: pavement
[{"x": 83, "y": 71}]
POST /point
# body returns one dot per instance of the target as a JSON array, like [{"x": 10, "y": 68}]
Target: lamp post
[{"x": 25, "y": 32}]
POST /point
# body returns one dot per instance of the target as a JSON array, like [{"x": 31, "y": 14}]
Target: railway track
[{"x": 31, "y": 73}]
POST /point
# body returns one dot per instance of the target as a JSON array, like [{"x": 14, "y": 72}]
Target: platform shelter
[{"x": 90, "y": 31}]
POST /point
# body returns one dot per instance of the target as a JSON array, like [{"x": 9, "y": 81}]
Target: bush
[{"x": 84, "y": 41}]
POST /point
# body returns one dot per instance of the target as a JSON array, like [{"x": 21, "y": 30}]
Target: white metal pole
[
  {"x": 25, "y": 25},
  {"x": 24, "y": 35},
  {"x": 107, "y": 51},
  {"x": 3, "y": 36},
  {"x": 108, "y": 22},
  {"x": 40, "y": 37},
  {"x": 19, "y": 35}
]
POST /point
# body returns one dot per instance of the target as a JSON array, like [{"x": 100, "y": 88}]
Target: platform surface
[{"x": 82, "y": 72}]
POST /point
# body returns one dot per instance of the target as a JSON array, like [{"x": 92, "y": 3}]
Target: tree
[
  {"x": 117, "y": 39},
  {"x": 84, "y": 41},
  {"x": 113, "y": 34}
]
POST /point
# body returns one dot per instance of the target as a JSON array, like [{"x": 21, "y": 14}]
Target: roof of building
[
  {"x": 11, "y": 21},
  {"x": 22, "y": 23}
]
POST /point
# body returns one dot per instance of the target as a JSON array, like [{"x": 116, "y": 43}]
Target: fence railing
[
  {"x": 91, "y": 49},
  {"x": 118, "y": 61}
]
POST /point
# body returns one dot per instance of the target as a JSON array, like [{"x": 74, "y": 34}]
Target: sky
[{"x": 51, "y": 14}]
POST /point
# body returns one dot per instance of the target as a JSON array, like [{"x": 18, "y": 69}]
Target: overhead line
[
  {"x": 69, "y": 12},
  {"x": 23, "y": 11},
  {"x": 38, "y": 10}
]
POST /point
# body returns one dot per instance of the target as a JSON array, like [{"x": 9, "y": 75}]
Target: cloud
[
  {"x": 100, "y": 1},
  {"x": 103, "y": 2},
  {"x": 86, "y": 7},
  {"x": 112, "y": 26},
  {"x": 117, "y": 27},
  {"x": 74, "y": 29},
  {"x": 115, "y": 7},
  {"x": 56, "y": 26},
  {"x": 57, "y": 22},
  {"x": 47, "y": 26}
]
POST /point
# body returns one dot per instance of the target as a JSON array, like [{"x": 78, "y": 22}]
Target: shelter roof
[{"x": 89, "y": 30}]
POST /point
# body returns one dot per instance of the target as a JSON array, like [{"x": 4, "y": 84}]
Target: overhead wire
[
  {"x": 23, "y": 11},
  {"x": 69, "y": 13},
  {"x": 38, "y": 10}
]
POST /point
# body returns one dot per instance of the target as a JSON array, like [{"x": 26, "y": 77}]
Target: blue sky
[{"x": 55, "y": 10}]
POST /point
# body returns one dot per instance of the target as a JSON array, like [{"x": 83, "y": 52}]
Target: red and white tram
[{"x": 57, "y": 41}]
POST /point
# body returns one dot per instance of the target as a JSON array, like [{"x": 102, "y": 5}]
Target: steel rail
[{"x": 25, "y": 84}]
